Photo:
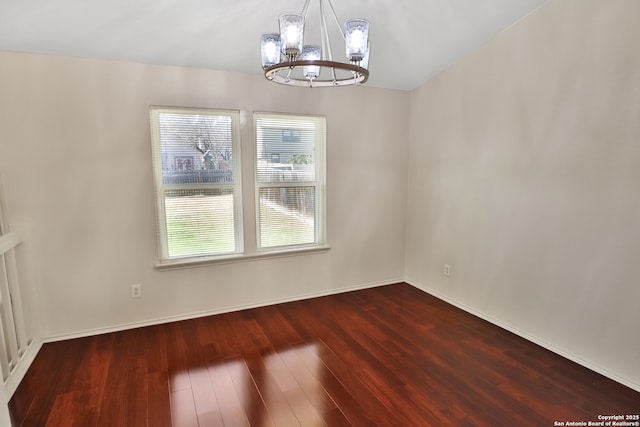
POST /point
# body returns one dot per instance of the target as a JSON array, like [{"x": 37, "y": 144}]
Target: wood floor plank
[
  {"x": 310, "y": 355},
  {"x": 279, "y": 330},
  {"x": 52, "y": 375},
  {"x": 246, "y": 386},
  {"x": 231, "y": 409},
  {"x": 274, "y": 400},
  {"x": 183, "y": 409},
  {"x": 159, "y": 408},
  {"x": 298, "y": 400},
  {"x": 63, "y": 411},
  {"x": 386, "y": 356},
  {"x": 309, "y": 378},
  {"x": 204, "y": 397},
  {"x": 178, "y": 356},
  {"x": 159, "y": 398},
  {"x": 125, "y": 400}
]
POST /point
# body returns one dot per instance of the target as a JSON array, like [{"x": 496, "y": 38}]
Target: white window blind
[
  {"x": 290, "y": 180},
  {"x": 197, "y": 181}
]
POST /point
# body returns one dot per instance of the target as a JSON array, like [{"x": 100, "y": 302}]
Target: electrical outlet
[
  {"x": 136, "y": 291},
  {"x": 447, "y": 270}
]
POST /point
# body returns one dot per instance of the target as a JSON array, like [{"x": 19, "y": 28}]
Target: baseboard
[
  {"x": 536, "y": 340},
  {"x": 228, "y": 309}
]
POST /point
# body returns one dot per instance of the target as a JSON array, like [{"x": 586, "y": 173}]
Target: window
[
  {"x": 290, "y": 180},
  {"x": 198, "y": 185},
  {"x": 196, "y": 159}
]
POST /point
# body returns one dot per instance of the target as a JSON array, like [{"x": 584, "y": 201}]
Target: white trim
[
  {"x": 178, "y": 263},
  {"x": 534, "y": 339},
  {"x": 228, "y": 309},
  {"x": 10, "y": 241},
  {"x": 12, "y": 383},
  {"x": 5, "y": 419}
]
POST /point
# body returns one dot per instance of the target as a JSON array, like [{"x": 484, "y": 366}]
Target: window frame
[
  {"x": 319, "y": 184},
  {"x": 160, "y": 188}
]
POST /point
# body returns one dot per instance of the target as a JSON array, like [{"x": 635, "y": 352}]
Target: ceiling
[{"x": 411, "y": 40}]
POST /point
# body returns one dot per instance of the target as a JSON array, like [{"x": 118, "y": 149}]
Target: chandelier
[{"x": 287, "y": 60}]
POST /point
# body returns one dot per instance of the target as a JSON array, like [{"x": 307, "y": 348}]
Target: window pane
[
  {"x": 197, "y": 181},
  {"x": 290, "y": 179},
  {"x": 196, "y": 148},
  {"x": 285, "y": 149},
  {"x": 287, "y": 216},
  {"x": 199, "y": 222}
]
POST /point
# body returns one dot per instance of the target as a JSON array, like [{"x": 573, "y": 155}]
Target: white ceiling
[{"x": 411, "y": 40}]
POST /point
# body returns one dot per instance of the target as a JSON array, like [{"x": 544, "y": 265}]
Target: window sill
[{"x": 173, "y": 264}]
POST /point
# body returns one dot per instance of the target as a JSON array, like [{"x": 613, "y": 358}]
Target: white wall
[
  {"x": 523, "y": 175},
  {"x": 76, "y": 160}
]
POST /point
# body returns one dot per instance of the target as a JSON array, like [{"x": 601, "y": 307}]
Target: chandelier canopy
[{"x": 287, "y": 60}]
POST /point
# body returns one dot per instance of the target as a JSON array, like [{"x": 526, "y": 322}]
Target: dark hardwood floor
[{"x": 388, "y": 356}]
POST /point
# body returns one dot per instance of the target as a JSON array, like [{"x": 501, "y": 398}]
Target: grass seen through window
[{"x": 200, "y": 223}]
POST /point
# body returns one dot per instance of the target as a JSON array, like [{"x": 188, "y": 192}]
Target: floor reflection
[{"x": 282, "y": 388}]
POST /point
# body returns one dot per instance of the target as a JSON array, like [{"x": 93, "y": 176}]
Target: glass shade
[
  {"x": 356, "y": 34},
  {"x": 270, "y": 49},
  {"x": 311, "y": 53},
  {"x": 365, "y": 61},
  {"x": 291, "y": 34}
]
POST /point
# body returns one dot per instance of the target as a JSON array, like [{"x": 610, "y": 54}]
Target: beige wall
[
  {"x": 524, "y": 176},
  {"x": 75, "y": 156}
]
